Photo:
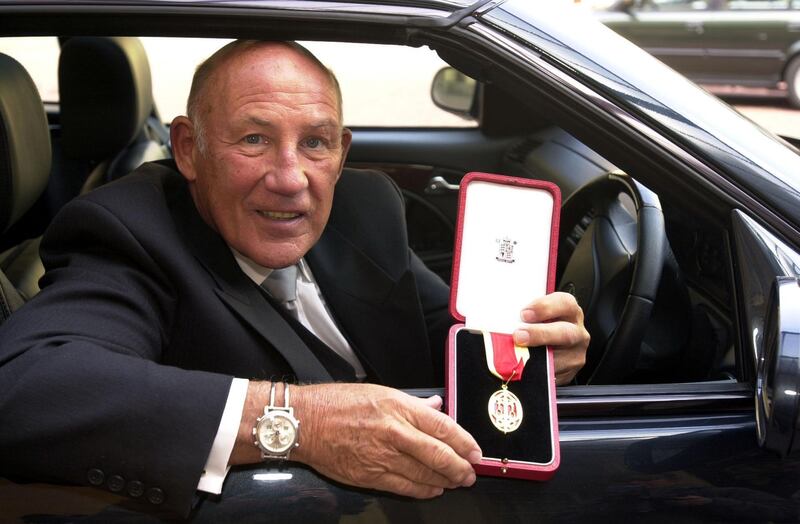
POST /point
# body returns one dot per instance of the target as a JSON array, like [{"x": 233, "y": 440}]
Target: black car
[
  {"x": 750, "y": 43},
  {"x": 692, "y": 370}
]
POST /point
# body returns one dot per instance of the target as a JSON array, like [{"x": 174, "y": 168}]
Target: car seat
[
  {"x": 24, "y": 169},
  {"x": 108, "y": 121}
]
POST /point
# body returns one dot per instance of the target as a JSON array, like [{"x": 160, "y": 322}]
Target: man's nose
[{"x": 287, "y": 175}]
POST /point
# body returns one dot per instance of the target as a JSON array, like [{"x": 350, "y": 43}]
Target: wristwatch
[{"x": 276, "y": 432}]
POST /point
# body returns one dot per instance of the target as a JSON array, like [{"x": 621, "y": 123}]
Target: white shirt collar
[{"x": 258, "y": 273}]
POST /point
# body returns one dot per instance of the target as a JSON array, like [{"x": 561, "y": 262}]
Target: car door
[
  {"x": 749, "y": 42},
  {"x": 670, "y": 30}
]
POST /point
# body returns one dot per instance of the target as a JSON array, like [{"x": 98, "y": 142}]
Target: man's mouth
[{"x": 279, "y": 215}]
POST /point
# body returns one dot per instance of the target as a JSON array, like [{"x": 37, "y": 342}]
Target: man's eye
[
  {"x": 313, "y": 143},
  {"x": 253, "y": 139}
]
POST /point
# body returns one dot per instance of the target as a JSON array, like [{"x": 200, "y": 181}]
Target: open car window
[
  {"x": 382, "y": 86},
  {"x": 39, "y": 56},
  {"x": 692, "y": 333}
]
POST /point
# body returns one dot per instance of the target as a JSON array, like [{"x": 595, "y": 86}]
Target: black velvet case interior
[{"x": 532, "y": 441}]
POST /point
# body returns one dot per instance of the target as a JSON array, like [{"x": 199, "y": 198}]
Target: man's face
[{"x": 274, "y": 151}]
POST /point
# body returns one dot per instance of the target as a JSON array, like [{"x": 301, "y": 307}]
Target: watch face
[{"x": 277, "y": 432}]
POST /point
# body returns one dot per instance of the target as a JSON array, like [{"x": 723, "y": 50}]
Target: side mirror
[
  {"x": 455, "y": 92},
  {"x": 778, "y": 375}
]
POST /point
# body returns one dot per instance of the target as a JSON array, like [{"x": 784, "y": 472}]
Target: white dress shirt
[{"x": 310, "y": 310}]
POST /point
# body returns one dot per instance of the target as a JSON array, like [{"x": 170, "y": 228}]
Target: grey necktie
[{"x": 282, "y": 284}]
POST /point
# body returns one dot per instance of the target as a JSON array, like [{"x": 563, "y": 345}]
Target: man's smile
[{"x": 279, "y": 215}]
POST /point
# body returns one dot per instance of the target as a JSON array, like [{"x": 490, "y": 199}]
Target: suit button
[
  {"x": 135, "y": 488},
  {"x": 95, "y": 477},
  {"x": 115, "y": 483},
  {"x": 155, "y": 496}
]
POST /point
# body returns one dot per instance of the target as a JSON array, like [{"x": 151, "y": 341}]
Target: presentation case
[{"x": 505, "y": 256}]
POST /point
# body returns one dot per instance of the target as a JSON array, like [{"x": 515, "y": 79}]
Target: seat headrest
[
  {"x": 25, "y": 153},
  {"x": 105, "y": 95}
]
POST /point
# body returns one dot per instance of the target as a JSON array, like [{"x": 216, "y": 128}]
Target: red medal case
[{"x": 505, "y": 256}]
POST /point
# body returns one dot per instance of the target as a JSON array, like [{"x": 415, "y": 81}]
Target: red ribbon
[{"x": 506, "y": 363}]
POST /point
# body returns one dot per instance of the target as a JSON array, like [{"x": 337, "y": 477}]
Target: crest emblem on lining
[{"x": 505, "y": 250}]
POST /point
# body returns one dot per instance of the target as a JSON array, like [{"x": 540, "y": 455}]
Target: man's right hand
[{"x": 374, "y": 437}]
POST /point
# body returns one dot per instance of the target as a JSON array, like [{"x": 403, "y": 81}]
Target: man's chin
[{"x": 278, "y": 256}]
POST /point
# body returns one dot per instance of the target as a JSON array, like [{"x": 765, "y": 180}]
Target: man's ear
[
  {"x": 182, "y": 137},
  {"x": 347, "y": 138}
]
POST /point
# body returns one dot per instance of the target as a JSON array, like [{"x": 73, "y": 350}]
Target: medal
[
  {"x": 505, "y": 410},
  {"x": 505, "y": 361}
]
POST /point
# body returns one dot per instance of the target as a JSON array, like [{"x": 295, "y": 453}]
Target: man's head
[{"x": 263, "y": 147}]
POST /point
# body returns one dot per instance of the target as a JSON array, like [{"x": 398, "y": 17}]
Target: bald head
[{"x": 207, "y": 79}]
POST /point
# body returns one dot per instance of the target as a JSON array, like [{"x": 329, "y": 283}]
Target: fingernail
[
  {"x": 437, "y": 401},
  {"x": 528, "y": 315},
  {"x": 475, "y": 456},
  {"x": 438, "y": 492},
  {"x": 521, "y": 337}
]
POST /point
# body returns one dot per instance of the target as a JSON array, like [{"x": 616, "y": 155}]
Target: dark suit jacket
[{"x": 121, "y": 366}]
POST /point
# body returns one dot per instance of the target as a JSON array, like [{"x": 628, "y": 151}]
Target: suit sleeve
[{"x": 83, "y": 398}]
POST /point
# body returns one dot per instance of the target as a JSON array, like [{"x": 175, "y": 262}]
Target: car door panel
[
  {"x": 675, "y": 38},
  {"x": 678, "y": 468},
  {"x": 747, "y": 48}
]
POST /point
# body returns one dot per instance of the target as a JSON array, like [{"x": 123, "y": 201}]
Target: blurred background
[{"x": 744, "y": 51}]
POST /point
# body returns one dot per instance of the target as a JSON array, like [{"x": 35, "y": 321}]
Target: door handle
[
  {"x": 695, "y": 27},
  {"x": 438, "y": 186}
]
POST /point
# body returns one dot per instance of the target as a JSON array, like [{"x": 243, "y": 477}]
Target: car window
[
  {"x": 387, "y": 85},
  {"x": 382, "y": 86},
  {"x": 39, "y": 56}
]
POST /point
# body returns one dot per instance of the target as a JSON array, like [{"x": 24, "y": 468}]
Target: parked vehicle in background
[{"x": 754, "y": 43}]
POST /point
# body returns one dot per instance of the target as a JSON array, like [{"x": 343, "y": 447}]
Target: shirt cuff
[{"x": 217, "y": 464}]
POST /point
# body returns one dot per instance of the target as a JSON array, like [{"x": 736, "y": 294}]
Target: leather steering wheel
[{"x": 613, "y": 269}]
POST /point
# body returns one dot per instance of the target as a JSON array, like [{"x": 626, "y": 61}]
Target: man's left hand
[{"x": 556, "y": 320}]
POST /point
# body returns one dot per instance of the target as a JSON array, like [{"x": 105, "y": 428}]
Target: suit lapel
[
  {"x": 241, "y": 295},
  {"x": 337, "y": 263},
  {"x": 371, "y": 308}
]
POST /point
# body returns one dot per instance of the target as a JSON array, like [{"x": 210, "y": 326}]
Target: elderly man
[{"x": 130, "y": 367}]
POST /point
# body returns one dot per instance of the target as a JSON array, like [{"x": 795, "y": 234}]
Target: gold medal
[
  {"x": 506, "y": 361},
  {"x": 505, "y": 410}
]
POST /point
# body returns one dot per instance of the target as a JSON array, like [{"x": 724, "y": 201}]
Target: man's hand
[
  {"x": 371, "y": 436},
  {"x": 376, "y": 437},
  {"x": 556, "y": 320}
]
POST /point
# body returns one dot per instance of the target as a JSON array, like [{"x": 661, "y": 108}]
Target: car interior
[{"x": 650, "y": 265}]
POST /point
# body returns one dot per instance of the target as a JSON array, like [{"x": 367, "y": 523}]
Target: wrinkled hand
[
  {"x": 556, "y": 320},
  {"x": 376, "y": 437}
]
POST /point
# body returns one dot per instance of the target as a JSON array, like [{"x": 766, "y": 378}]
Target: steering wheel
[{"x": 611, "y": 252}]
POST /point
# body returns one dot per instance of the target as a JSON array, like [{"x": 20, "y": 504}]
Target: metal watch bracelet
[{"x": 276, "y": 432}]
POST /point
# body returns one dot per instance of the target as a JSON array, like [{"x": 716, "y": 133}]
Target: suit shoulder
[
  {"x": 369, "y": 212},
  {"x": 153, "y": 181},
  {"x": 138, "y": 204},
  {"x": 367, "y": 196}
]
